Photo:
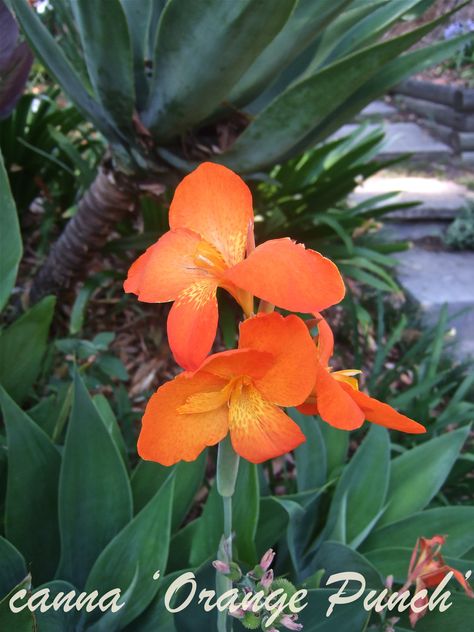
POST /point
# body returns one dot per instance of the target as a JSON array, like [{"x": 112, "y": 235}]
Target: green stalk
[{"x": 227, "y": 469}]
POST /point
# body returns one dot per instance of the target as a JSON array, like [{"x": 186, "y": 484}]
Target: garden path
[{"x": 430, "y": 274}]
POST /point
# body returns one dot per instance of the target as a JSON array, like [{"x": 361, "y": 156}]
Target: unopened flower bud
[
  {"x": 389, "y": 582},
  {"x": 221, "y": 567},
  {"x": 288, "y": 622},
  {"x": 267, "y": 559},
  {"x": 267, "y": 579}
]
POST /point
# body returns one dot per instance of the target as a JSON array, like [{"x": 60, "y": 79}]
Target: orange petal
[
  {"x": 192, "y": 324},
  {"x": 259, "y": 430},
  {"x": 216, "y": 203},
  {"x": 325, "y": 340},
  {"x": 165, "y": 269},
  {"x": 383, "y": 414},
  {"x": 167, "y": 436},
  {"x": 238, "y": 362},
  {"x": 335, "y": 405},
  {"x": 287, "y": 275},
  {"x": 289, "y": 381}
]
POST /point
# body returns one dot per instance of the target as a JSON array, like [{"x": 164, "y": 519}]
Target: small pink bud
[
  {"x": 221, "y": 567},
  {"x": 267, "y": 559},
  {"x": 289, "y": 623},
  {"x": 389, "y": 582},
  {"x": 267, "y": 579},
  {"x": 238, "y": 614}
]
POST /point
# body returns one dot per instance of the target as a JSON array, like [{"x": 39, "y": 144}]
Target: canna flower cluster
[{"x": 242, "y": 392}]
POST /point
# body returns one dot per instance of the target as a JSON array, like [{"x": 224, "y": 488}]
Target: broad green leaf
[
  {"x": 418, "y": 474},
  {"x": 307, "y": 20},
  {"x": 209, "y": 529},
  {"x": 305, "y": 104},
  {"x": 95, "y": 501},
  {"x": 310, "y": 457},
  {"x": 32, "y": 491},
  {"x": 246, "y": 504},
  {"x": 22, "y": 347},
  {"x": 110, "y": 422},
  {"x": 364, "y": 483},
  {"x": 143, "y": 543},
  {"x": 272, "y": 524},
  {"x": 454, "y": 522},
  {"x": 192, "y": 73},
  {"x": 12, "y": 568},
  {"x": 55, "y": 61},
  {"x": 455, "y": 619},
  {"x": 10, "y": 237},
  {"x": 108, "y": 53},
  {"x": 181, "y": 545},
  {"x": 335, "y": 557},
  {"x": 23, "y": 621},
  {"x": 148, "y": 477},
  {"x": 337, "y": 443},
  {"x": 349, "y": 617},
  {"x": 57, "y": 620},
  {"x": 396, "y": 560}
]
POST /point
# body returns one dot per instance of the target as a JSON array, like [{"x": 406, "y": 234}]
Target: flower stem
[{"x": 227, "y": 469}]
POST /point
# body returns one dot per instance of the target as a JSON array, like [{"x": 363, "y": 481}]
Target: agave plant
[{"x": 245, "y": 83}]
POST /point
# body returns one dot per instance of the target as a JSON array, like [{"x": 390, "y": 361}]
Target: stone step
[
  {"x": 413, "y": 231},
  {"x": 439, "y": 199},
  {"x": 403, "y": 138},
  {"x": 435, "y": 278},
  {"x": 377, "y": 110}
]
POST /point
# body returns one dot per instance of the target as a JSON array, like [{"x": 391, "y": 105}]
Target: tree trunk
[{"x": 104, "y": 204}]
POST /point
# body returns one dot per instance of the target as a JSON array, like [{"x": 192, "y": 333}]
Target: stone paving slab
[
  {"x": 413, "y": 231},
  {"x": 434, "y": 278},
  {"x": 378, "y": 109},
  {"x": 439, "y": 199},
  {"x": 402, "y": 138}
]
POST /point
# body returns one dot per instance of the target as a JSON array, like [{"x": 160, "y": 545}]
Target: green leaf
[
  {"x": 12, "y": 568},
  {"x": 148, "y": 477},
  {"x": 108, "y": 55},
  {"x": 246, "y": 504},
  {"x": 364, "y": 483},
  {"x": 186, "y": 87},
  {"x": 349, "y": 617},
  {"x": 110, "y": 421},
  {"x": 303, "y": 25},
  {"x": 418, "y": 474},
  {"x": 396, "y": 560},
  {"x": 272, "y": 524},
  {"x": 22, "y": 621},
  {"x": 209, "y": 529},
  {"x": 454, "y": 619},
  {"x": 22, "y": 347},
  {"x": 454, "y": 522},
  {"x": 32, "y": 491},
  {"x": 95, "y": 501},
  {"x": 310, "y": 457},
  {"x": 57, "y": 620},
  {"x": 337, "y": 443},
  {"x": 304, "y": 105},
  {"x": 335, "y": 557},
  {"x": 144, "y": 542},
  {"x": 53, "y": 58},
  {"x": 10, "y": 237}
]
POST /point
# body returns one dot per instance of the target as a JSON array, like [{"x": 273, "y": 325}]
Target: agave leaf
[
  {"x": 201, "y": 51},
  {"x": 108, "y": 53},
  {"x": 308, "y": 19},
  {"x": 10, "y": 238},
  {"x": 32, "y": 490},
  {"x": 305, "y": 104},
  {"x": 61, "y": 69}
]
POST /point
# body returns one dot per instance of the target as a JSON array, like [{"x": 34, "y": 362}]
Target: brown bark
[{"x": 105, "y": 203}]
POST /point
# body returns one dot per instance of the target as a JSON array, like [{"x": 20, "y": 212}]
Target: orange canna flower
[
  {"x": 238, "y": 391},
  {"x": 336, "y": 397},
  {"x": 211, "y": 232},
  {"x": 427, "y": 570}
]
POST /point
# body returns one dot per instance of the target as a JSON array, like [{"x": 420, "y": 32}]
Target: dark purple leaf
[{"x": 15, "y": 62}]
